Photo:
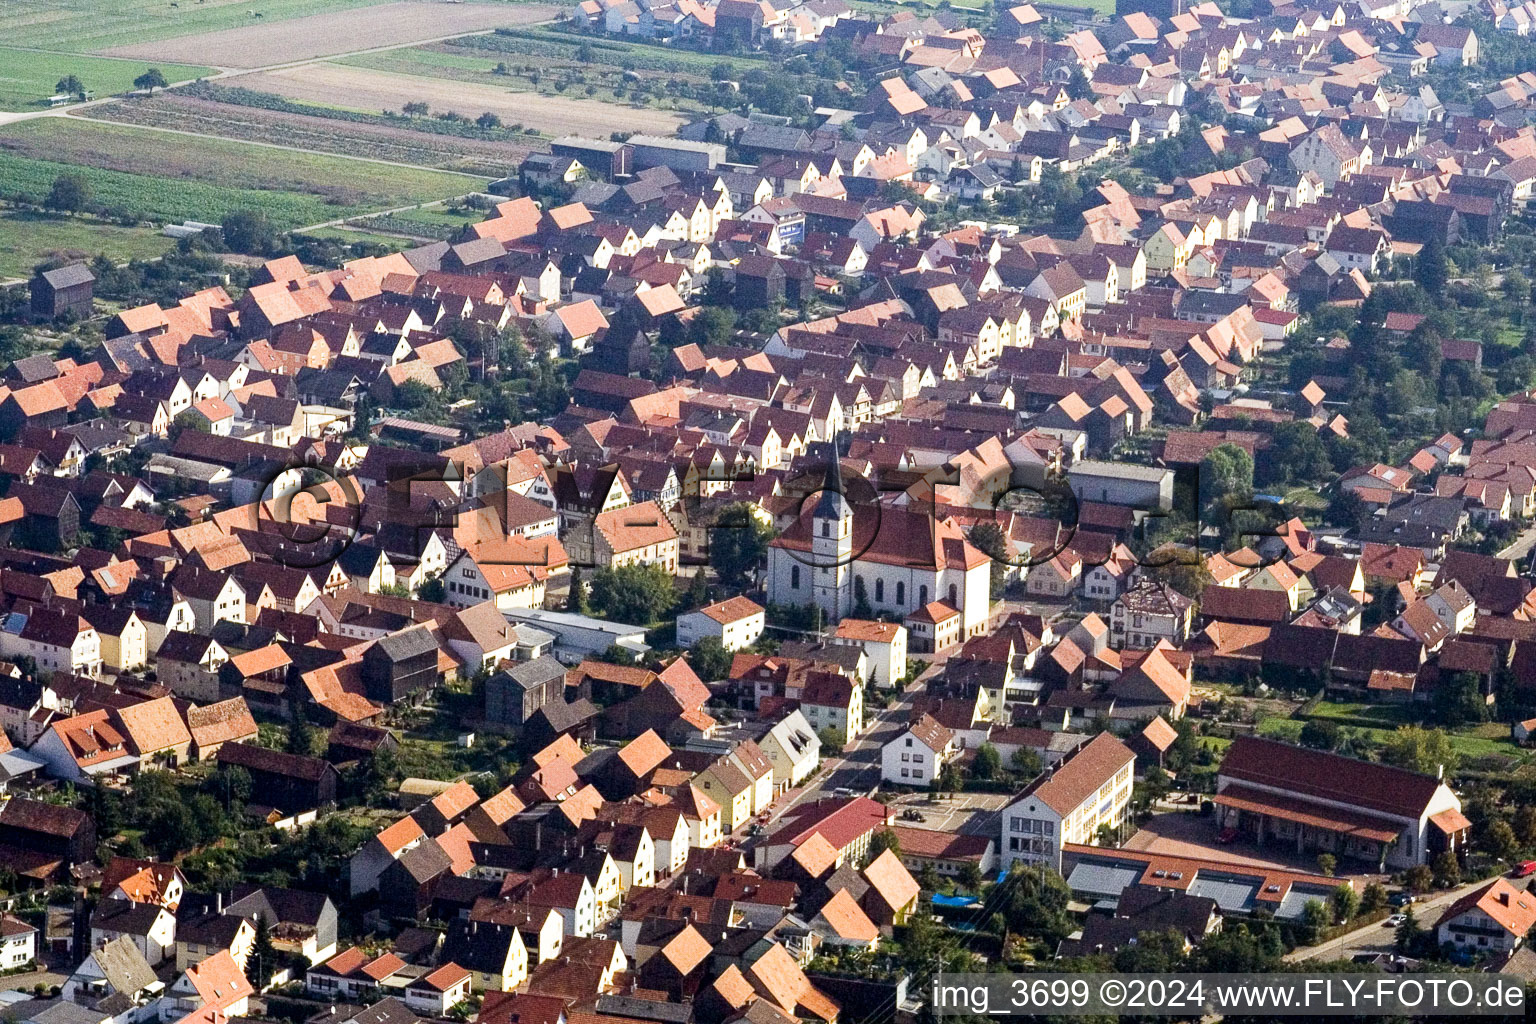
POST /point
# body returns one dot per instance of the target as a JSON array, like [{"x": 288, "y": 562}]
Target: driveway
[
  {"x": 1185, "y": 834},
  {"x": 967, "y": 814}
]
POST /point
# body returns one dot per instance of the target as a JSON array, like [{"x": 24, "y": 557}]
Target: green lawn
[
  {"x": 1378, "y": 721},
  {"x": 80, "y": 26},
  {"x": 205, "y": 178},
  {"x": 27, "y": 77},
  {"x": 27, "y": 239}
]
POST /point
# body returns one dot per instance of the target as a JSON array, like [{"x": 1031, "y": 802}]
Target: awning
[
  {"x": 1330, "y": 819},
  {"x": 1450, "y": 821}
]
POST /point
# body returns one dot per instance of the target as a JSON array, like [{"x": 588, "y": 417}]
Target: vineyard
[
  {"x": 203, "y": 179},
  {"x": 245, "y": 114}
]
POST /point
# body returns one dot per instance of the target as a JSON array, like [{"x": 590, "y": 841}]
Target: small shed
[{"x": 63, "y": 291}]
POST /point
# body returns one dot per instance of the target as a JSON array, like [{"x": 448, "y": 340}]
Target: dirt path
[
  {"x": 261, "y": 44},
  {"x": 366, "y": 89}
]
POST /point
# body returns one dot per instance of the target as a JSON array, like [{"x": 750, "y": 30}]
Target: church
[{"x": 901, "y": 561}]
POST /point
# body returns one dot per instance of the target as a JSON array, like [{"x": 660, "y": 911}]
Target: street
[{"x": 1376, "y": 938}]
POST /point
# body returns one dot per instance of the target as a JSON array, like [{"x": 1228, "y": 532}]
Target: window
[
  {"x": 826, "y": 528},
  {"x": 794, "y": 577},
  {"x": 901, "y": 593},
  {"x": 879, "y": 591},
  {"x": 922, "y": 595},
  {"x": 952, "y": 596}
]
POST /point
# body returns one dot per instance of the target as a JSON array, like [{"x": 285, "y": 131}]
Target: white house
[
  {"x": 736, "y": 622},
  {"x": 18, "y": 942},
  {"x": 1493, "y": 919},
  {"x": 794, "y": 749},
  {"x": 884, "y": 643},
  {"x": 917, "y": 755},
  {"x": 1091, "y": 788},
  {"x": 438, "y": 991}
]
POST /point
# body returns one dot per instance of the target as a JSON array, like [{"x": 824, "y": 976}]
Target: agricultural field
[
  {"x": 371, "y": 90},
  {"x": 379, "y": 142},
  {"x": 266, "y": 42},
  {"x": 28, "y": 238},
  {"x": 85, "y": 26},
  {"x": 27, "y": 77},
  {"x": 134, "y": 170}
]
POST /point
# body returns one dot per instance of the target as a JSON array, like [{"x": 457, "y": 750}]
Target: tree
[
  {"x": 737, "y": 543},
  {"x": 150, "y": 80},
  {"x": 230, "y": 784},
  {"x": 1026, "y": 762},
  {"x": 633, "y": 593},
  {"x": 1078, "y": 86},
  {"x": 1326, "y": 862},
  {"x": 576, "y": 600},
  {"x": 698, "y": 592},
  {"x": 1320, "y": 734},
  {"x": 432, "y": 590},
  {"x": 487, "y": 121},
  {"x": 1525, "y": 824},
  {"x": 69, "y": 85},
  {"x": 1296, "y": 453},
  {"x": 417, "y": 109},
  {"x": 884, "y": 840},
  {"x": 1314, "y": 916},
  {"x": 1446, "y": 870},
  {"x": 70, "y": 194},
  {"x": 712, "y": 325},
  {"x": 970, "y": 876},
  {"x": 1458, "y": 700},
  {"x": 1374, "y": 897},
  {"x": 301, "y": 737},
  {"x": 1344, "y": 902},
  {"x": 1155, "y": 784},
  {"x": 1418, "y": 878},
  {"x": 248, "y": 231},
  {"x": 1226, "y": 476},
  {"x": 1421, "y": 750},
  {"x": 1432, "y": 273},
  {"x": 263, "y": 956},
  {"x": 1407, "y": 936},
  {"x": 1499, "y": 839},
  {"x": 988, "y": 763},
  {"x": 710, "y": 659}
]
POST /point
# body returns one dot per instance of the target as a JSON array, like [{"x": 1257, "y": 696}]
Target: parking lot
[
  {"x": 1177, "y": 834},
  {"x": 971, "y": 814}
]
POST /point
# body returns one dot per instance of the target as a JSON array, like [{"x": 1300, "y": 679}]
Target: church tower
[{"x": 832, "y": 544}]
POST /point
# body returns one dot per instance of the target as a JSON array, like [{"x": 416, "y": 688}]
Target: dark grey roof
[
  {"x": 529, "y": 674},
  {"x": 68, "y": 277},
  {"x": 124, "y": 966},
  {"x": 407, "y": 643}
]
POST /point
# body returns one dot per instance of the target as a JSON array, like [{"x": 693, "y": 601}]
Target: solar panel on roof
[
  {"x": 1102, "y": 879},
  {"x": 1229, "y": 895},
  {"x": 1296, "y": 901}
]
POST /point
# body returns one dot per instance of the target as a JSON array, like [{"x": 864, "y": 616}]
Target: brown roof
[
  {"x": 1081, "y": 774},
  {"x": 732, "y": 609},
  {"x": 219, "y": 723},
  {"x": 847, "y": 919},
  {"x": 153, "y": 725},
  {"x": 891, "y": 880},
  {"x": 1512, "y": 909},
  {"x": 1318, "y": 774}
]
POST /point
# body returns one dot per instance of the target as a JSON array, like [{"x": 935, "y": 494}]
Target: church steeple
[{"x": 832, "y": 542}]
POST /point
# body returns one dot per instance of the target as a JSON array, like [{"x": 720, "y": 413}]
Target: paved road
[
  {"x": 1521, "y": 547},
  {"x": 1375, "y": 938}
]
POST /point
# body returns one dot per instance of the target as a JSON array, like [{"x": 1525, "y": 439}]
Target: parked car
[
  {"x": 1401, "y": 898},
  {"x": 1395, "y": 920},
  {"x": 1521, "y": 870},
  {"x": 1226, "y": 836}
]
